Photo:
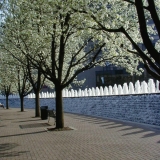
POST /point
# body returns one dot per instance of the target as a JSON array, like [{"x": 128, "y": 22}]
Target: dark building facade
[{"x": 109, "y": 75}]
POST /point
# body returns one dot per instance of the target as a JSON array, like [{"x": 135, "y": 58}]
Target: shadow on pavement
[
  {"x": 6, "y": 150},
  {"x": 130, "y": 127},
  {"x": 3, "y": 126},
  {"x": 89, "y": 119},
  {"x": 7, "y": 146},
  {"x": 28, "y": 120},
  {"x": 22, "y": 134},
  {"x": 12, "y": 118}
]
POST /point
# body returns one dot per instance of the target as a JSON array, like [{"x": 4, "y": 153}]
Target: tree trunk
[
  {"x": 22, "y": 103},
  {"x": 7, "y": 106},
  {"x": 37, "y": 105},
  {"x": 59, "y": 109}
]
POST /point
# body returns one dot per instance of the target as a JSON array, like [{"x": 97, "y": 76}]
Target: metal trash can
[{"x": 44, "y": 112}]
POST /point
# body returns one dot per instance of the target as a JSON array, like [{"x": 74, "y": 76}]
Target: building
[{"x": 109, "y": 75}]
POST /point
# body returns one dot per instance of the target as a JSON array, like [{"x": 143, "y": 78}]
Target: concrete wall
[{"x": 135, "y": 108}]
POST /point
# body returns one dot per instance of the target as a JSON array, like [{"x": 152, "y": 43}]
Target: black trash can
[{"x": 44, "y": 112}]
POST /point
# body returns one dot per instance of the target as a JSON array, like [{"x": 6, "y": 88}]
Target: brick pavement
[{"x": 23, "y": 137}]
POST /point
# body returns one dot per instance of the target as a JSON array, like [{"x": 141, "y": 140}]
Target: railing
[{"x": 138, "y": 88}]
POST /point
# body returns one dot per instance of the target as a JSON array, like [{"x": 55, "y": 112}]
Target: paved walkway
[{"x": 23, "y": 137}]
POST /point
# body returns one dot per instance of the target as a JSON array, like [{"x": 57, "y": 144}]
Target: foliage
[
  {"x": 136, "y": 23},
  {"x": 31, "y": 26},
  {"x": 7, "y": 76}
]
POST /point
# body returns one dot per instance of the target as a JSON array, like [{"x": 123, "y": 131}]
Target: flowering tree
[
  {"x": 61, "y": 39},
  {"x": 23, "y": 85},
  {"x": 137, "y": 23},
  {"x": 37, "y": 80},
  {"x": 7, "y": 79},
  {"x": 14, "y": 78},
  {"x": 28, "y": 79},
  {"x": 27, "y": 74}
]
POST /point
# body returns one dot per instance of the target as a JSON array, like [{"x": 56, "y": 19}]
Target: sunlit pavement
[{"x": 24, "y": 137}]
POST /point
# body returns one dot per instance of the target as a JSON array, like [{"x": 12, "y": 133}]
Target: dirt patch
[{"x": 60, "y": 129}]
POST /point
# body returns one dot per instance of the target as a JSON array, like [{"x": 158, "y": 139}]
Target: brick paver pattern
[{"x": 24, "y": 137}]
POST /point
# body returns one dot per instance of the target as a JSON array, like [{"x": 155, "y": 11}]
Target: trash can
[{"x": 44, "y": 112}]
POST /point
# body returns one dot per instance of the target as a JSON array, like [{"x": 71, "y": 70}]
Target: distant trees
[
  {"x": 22, "y": 84},
  {"x": 7, "y": 80},
  {"x": 37, "y": 80},
  {"x": 28, "y": 77}
]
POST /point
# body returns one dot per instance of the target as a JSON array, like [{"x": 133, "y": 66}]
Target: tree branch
[
  {"x": 131, "y": 2},
  {"x": 154, "y": 15},
  {"x": 144, "y": 33},
  {"x": 84, "y": 68}
]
